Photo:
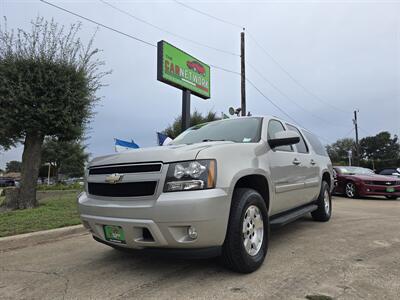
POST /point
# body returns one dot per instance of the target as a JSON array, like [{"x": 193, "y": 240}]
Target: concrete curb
[{"x": 40, "y": 237}]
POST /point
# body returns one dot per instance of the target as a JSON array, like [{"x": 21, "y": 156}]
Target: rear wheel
[
  {"x": 324, "y": 202},
  {"x": 350, "y": 190},
  {"x": 391, "y": 197},
  {"x": 247, "y": 235}
]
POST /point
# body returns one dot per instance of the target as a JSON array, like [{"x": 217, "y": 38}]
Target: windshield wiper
[{"x": 211, "y": 140}]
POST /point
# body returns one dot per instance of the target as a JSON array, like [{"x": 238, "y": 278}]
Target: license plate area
[
  {"x": 390, "y": 190},
  {"x": 114, "y": 234}
]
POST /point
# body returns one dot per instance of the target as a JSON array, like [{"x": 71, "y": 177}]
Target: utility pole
[
  {"x": 242, "y": 74},
  {"x": 357, "y": 146}
]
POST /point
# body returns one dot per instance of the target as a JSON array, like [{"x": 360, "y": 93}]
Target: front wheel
[
  {"x": 246, "y": 241},
  {"x": 391, "y": 197},
  {"x": 350, "y": 190}
]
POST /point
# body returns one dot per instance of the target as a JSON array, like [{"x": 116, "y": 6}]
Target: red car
[
  {"x": 196, "y": 66},
  {"x": 359, "y": 182}
]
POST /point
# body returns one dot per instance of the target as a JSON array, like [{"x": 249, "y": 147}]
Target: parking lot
[{"x": 354, "y": 256}]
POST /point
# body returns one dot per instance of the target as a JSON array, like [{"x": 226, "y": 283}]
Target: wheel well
[
  {"x": 327, "y": 177},
  {"x": 256, "y": 182}
]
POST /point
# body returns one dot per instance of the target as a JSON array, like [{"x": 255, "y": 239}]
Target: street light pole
[
  {"x": 357, "y": 146},
  {"x": 48, "y": 175}
]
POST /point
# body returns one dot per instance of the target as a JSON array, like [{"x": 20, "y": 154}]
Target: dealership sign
[{"x": 181, "y": 70}]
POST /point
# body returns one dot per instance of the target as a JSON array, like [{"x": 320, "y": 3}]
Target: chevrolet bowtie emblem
[{"x": 114, "y": 178}]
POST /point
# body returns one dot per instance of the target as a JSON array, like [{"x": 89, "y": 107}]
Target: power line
[
  {"x": 365, "y": 131},
  {"x": 224, "y": 69},
  {"x": 291, "y": 77},
  {"x": 266, "y": 52},
  {"x": 287, "y": 96},
  {"x": 166, "y": 31},
  {"x": 124, "y": 34},
  {"x": 270, "y": 101},
  {"x": 99, "y": 24},
  {"x": 347, "y": 134},
  {"x": 209, "y": 15},
  {"x": 153, "y": 45}
]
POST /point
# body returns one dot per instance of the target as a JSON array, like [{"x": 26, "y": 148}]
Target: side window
[
  {"x": 316, "y": 144},
  {"x": 388, "y": 172},
  {"x": 301, "y": 146},
  {"x": 275, "y": 126}
]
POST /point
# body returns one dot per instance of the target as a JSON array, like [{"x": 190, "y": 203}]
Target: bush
[{"x": 59, "y": 186}]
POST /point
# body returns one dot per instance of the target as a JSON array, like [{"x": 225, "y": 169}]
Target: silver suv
[{"x": 217, "y": 189}]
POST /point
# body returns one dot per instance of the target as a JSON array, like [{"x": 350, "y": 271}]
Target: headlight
[{"x": 191, "y": 175}]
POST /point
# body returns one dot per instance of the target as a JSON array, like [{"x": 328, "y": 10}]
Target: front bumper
[
  {"x": 378, "y": 190},
  {"x": 166, "y": 218}
]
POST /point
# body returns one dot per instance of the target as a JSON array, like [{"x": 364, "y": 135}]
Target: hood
[
  {"x": 374, "y": 177},
  {"x": 163, "y": 154}
]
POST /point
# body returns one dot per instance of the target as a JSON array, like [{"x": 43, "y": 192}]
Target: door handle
[
  {"x": 296, "y": 162},
  {"x": 312, "y": 162}
]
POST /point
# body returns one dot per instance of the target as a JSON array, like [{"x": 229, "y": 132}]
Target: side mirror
[{"x": 284, "y": 138}]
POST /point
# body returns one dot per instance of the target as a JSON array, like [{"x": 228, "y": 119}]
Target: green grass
[
  {"x": 59, "y": 186},
  {"x": 53, "y": 212}
]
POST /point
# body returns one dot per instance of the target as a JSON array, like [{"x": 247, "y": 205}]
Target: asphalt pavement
[{"x": 354, "y": 256}]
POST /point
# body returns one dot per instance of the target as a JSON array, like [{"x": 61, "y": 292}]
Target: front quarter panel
[{"x": 235, "y": 161}]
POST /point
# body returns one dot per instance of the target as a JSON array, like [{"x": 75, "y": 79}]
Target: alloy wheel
[
  {"x": 327, "y": 204},
  {"x": 253, "y": 230},
  {"x": 350, "y": 190}
]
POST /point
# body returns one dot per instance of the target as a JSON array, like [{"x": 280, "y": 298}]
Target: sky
[{"x": 316, "y": 60}]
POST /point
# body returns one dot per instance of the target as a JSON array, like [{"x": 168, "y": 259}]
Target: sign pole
[{"x": 185, "y": 109}]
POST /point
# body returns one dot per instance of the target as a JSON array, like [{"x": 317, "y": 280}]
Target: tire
[
  {"x": 247, "y": 209},
  {"x": 350, "y": 190},
  {"x": 392, "y": 197},
  {"x": 324, "y": 202}
]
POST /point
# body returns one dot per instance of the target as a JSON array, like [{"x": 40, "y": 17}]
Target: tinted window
[
  {"x": 274, "y": 126},
  {"x": 301, "y": 146},
  {"x": 240, "y": 130},
  {"x": 388, "y": 172},
  {"x": 315, "y": 144}
]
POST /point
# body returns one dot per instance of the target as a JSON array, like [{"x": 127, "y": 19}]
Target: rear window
[{"x": 315, "y": 144}]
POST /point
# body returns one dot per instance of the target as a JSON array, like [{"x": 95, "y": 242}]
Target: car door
[
  {"x": 286, "y": 173},
  {"x": 310, "y": 167}
]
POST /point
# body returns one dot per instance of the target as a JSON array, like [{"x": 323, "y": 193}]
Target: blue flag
[
  {"x": 121, "y": 146},
  {"x": 162, "y": 139}
]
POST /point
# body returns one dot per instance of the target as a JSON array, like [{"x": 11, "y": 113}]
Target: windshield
[
  {"x": 240, "y": 130},
  {"x": 355, "y": 170}
]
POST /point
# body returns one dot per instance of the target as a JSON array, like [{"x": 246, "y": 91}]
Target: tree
[
  {"x": 338, "y": 151},
  {"x": 380, "y": 146},
  {"x": 67, "y": 158},
  {"x": 48, "y": 84},
  {"x": 175, "y": 128},
  {"x": 13, "y": 166},
  {"x": 380, "y": 151}
]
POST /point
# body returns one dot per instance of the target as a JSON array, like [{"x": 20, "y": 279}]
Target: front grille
[
  {"x": 385, "y": 183},
  {"x": 111, "y": 169},
  {"x": 128, "y": 189}
]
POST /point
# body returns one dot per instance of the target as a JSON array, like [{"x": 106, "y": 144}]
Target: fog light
[{"x": 192, "y": 232}]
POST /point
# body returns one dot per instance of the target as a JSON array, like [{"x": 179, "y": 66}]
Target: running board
[{"x": 291, "y": 216}]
